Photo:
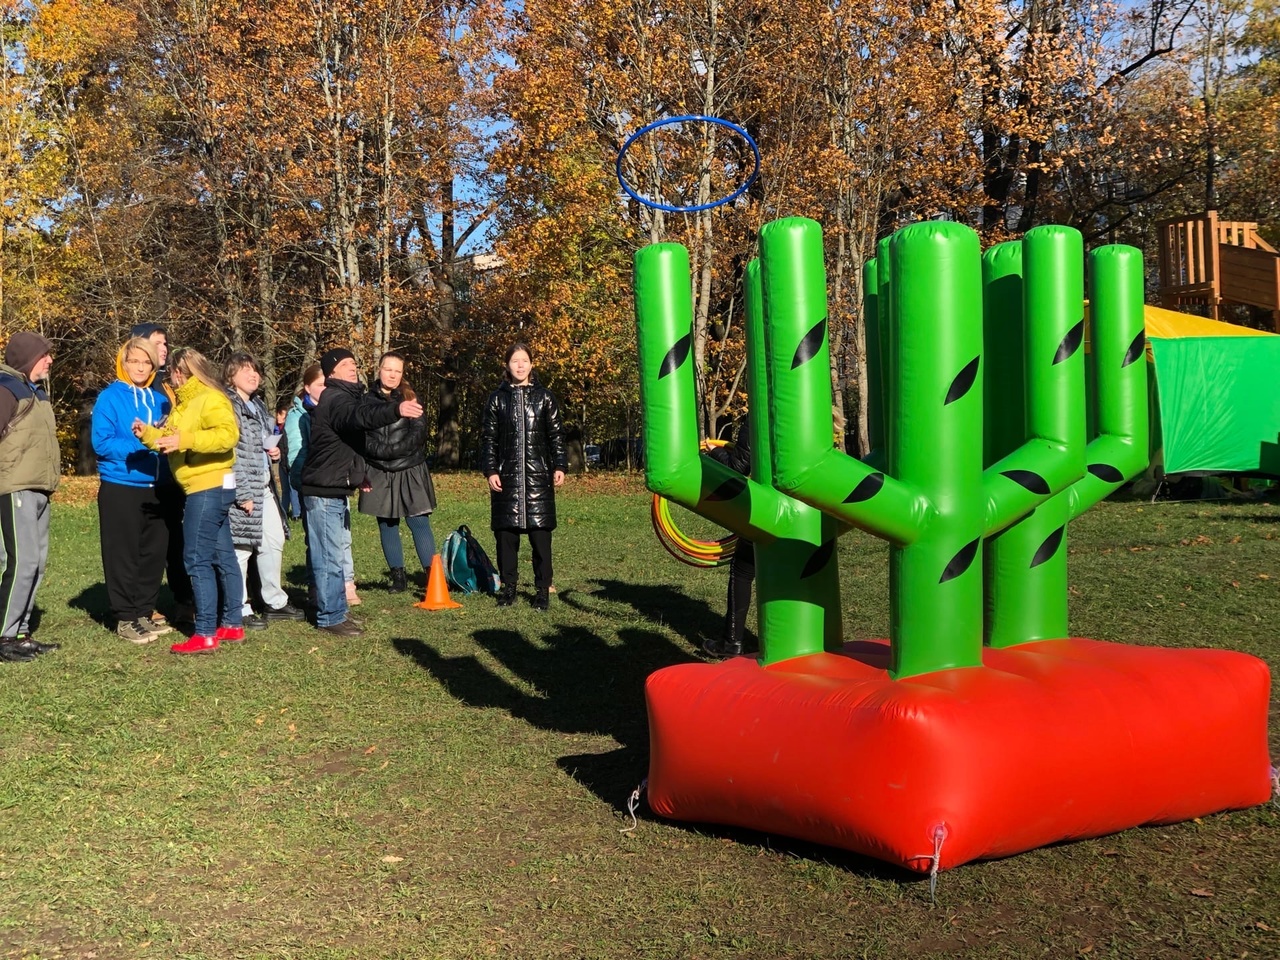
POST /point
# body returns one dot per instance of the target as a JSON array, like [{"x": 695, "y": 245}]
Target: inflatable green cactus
[
  {"x": 1007, "y": 734},
  {"x": 946, "y": 477}
]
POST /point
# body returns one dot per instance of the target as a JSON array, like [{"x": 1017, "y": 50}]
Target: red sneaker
[
  {"x": 196, "y": 644},
  {"x": 229, "y": 634}
]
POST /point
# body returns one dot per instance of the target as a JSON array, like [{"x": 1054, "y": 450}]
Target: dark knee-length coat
[{"x": 522, "y": 441}]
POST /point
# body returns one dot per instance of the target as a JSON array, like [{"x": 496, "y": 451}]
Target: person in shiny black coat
[{"x": 522, "y": 456}]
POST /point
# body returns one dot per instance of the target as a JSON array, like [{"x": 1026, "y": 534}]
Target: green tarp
[{"x": 1219, "y": 401}]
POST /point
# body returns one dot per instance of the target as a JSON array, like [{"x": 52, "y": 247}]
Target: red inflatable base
[{"x": 1054, "y": 740}]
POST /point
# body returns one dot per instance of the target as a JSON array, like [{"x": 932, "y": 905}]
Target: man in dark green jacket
[{"x": 30, "y": 468}]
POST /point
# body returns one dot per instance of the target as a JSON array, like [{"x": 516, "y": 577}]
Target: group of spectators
[{"x": 187, "y": 492}]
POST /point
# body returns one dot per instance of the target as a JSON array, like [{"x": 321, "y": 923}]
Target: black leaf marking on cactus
[
  {"x": 818, "y": 559},
  {"x": 1106, "y": 473},
  {"x": 1070, "y": 343},
  {"x": 810, "y": 344},
  {"x": 1136, "y": 349},
  {"x": 727, "y": 490},
  {"x": 963, "y": 382},
  {"x": 1029, "y": 479},
  {"x": 867, "y": 488},
  {"x": 961, "y": 561},
  {"x": 675, "y": 356},
  {"x": 1049, "y": 547}
]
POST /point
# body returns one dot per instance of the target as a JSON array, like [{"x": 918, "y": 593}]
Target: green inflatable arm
[
  {"x": 797, "y": 585},
  {"x": 1026, "y": 564}
]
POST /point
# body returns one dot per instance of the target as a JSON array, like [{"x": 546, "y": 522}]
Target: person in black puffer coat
[
  {"x": 522, "y": 455},
  {"x": 335, "y": 467},
  {"x": 399, "y": 481}
]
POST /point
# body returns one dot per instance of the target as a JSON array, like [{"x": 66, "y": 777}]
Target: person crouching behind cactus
[{"x": 200, "y": 438}]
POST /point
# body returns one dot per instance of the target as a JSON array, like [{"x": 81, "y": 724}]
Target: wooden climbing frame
[{"x": 1211, "y": 262}]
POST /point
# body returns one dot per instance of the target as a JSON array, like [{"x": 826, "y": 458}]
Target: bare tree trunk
[
  {"x": 448, "y": 428},
  {"x": 382, "y": 326},
  {"x": 336, "y": 41},
  {"x": 266, "y": 302},
  {"x": 704, "y": 225}
]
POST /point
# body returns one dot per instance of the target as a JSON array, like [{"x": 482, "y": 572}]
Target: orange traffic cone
[{"x": 437, "y": 597}]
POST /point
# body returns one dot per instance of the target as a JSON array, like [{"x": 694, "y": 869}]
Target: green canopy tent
[{"x": 1216, "y": 395}]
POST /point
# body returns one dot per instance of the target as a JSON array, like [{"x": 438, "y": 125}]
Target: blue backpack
[{"x": 466, "y": 566}]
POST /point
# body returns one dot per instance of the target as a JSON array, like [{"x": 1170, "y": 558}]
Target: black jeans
[
  {"x": 742, "y": 573},
  {"x": 509, "y": 556},
  {"x": 135, "y": 540},
  {"x": 172, "y": 502}
]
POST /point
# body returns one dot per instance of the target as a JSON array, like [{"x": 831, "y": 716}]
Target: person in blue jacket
[{"x": 131, "y": 519}]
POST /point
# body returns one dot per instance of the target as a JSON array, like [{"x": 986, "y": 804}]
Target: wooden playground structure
[{"x": 1210, "y": 262}]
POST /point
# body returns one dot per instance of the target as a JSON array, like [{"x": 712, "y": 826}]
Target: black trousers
[
  {"x": 742, "y": 573},
  {"x": 134, "y": 544},
  {"x": 172, "y": 502},
  {"x": 509, "y": 556}
]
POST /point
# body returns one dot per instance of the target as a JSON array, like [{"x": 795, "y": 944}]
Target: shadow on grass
[
  {"x": 691, "y": 618},
  {"x": 93, "y": 601},
  {"x": 582, "y": 684}
]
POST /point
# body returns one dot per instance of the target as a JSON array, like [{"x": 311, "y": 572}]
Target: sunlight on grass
[{"x": 453, "y": 784}]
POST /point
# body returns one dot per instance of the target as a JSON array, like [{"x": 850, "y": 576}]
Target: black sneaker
[
  {"x": 399, "y": 580},
  {"x": 17, "y": 651},
  {"x": 255, "y": 621},
  {"x": 506, "y": 596},
  {"x": 39, "y": 647},
  {"x": 287, "y": 612},
  {"x": 541, "y": 600}
]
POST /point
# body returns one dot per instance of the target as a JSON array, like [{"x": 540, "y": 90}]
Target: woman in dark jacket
[
  {"x": 522, "y": 455},
  {"x": 399, "y": 482}
]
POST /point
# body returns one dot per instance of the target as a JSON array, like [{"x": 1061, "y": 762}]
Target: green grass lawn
[{"x": 454, "y": 784}]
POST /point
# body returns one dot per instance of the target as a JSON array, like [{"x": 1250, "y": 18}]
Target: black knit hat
[
  {"x": 334, "y": 357},
  {"x": 145, "y": 330},
  {"x": 24, "y": 349}
]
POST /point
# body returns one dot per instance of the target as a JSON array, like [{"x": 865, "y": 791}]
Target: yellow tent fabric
[{"x": 1168, "y": 324}]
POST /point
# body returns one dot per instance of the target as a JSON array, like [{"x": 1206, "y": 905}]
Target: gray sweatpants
[{"x": 24, "y": 550}]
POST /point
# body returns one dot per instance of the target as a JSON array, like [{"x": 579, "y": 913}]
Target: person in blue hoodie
[
  {"x": 173, "y": 501},
  {"x": 131, "y": 518}
]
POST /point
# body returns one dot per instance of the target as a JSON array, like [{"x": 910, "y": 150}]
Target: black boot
[
  {"x": 399, "y": 581},
  {"x": 507, "y": 595},
  {"x": 723, "y": 648},
  {"x": 542, "y": 599}
]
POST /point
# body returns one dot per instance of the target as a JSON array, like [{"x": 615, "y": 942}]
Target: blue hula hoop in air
[{"x": 670, "y": 208}]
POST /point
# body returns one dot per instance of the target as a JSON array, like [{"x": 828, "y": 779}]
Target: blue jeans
[
  {"x": 210, "y": 559},
  {"x": 348, "y": 562},
  {"x": 424, "y": 540},
  {"x": 329, "y": 525}
]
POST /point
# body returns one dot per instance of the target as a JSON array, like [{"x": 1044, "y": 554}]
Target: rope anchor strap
[
  {"x": 935, "y": 861},
  {"x": 633, "y": 803}
]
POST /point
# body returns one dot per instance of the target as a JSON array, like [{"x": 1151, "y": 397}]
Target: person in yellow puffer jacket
[{"x": 200, "y": 438}]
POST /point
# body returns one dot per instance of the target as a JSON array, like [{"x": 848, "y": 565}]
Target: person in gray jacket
[
  {"x": 30, "y": 469},
  {"x": 257, "y": 522}
]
